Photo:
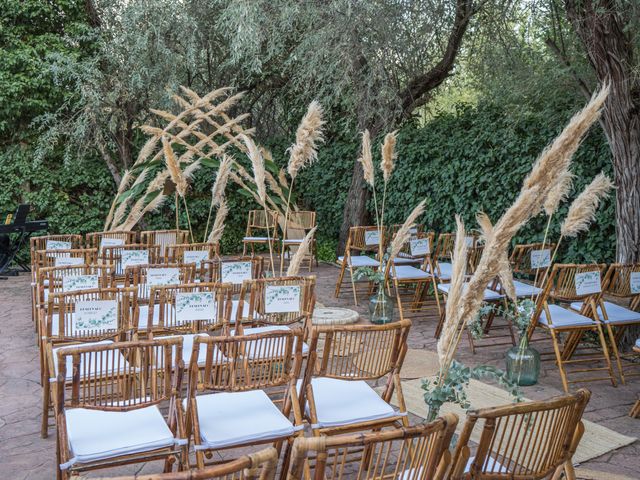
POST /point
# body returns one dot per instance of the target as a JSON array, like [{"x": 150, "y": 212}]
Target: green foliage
[{"x": 453, "y": 388}]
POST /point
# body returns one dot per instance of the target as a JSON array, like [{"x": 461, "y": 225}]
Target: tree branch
[{"x": 586, "y": 91}]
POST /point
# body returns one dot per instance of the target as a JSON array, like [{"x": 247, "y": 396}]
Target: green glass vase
[
  {"x": 523, "y": 363},
  {"x": 381, "y": 308}
]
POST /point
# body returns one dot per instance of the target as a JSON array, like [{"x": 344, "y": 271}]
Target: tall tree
[{"x": 608, "y": 30}]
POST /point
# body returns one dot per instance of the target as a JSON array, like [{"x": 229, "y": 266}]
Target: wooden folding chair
[
  {"x": 444, "y": 253},
  {"x": 164, "y": 238},
  {"x": 262, "y": 229},
  {"x": 412, "y": 453},
  {"x": 298, "y": 225},
  {"x": 621, "y": 282},
  {"x": 254, "y": 466},
  {"x": 530, "y": 261},
  {"x": 335, "y": 396},
  {"x": 123, "y": 256},
  {"x": 360, "y": 242},
  {"x": 245, "y": 393},
  {"x": 111, "y": 238},
  {"x": 418, "y": 229},
  {"x": 51, "y": 243},
  {"x": 68, "y": 320},
  {"x": 194, "y": 253},
  {"x": 116, "y": 419},
  {"x": 522, "y": 441},
  {"x": 145, "y": 277},
  {"x": 186, "y": 309},
  {"x": 569, "y": 284},
  {"x": 635, "y": 410},
  {"x": 411, "y": 283}
]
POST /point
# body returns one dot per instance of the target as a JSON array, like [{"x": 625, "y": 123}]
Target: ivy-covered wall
[{"x": 463, "y": 162}]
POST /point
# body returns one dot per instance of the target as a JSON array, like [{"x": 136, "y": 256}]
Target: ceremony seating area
[{"x": 159, "y": 351}]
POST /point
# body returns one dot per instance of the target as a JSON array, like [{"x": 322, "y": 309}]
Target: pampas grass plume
[
  {"x": 174, "y": 169},
  {"x": 366, "y": 159},
  {"x": 309, "y": 134},
  {"x": 404, "y": 232},
  {"x": 303, "y": 251},
  {"x": 218, "y": 225},
  {"x": 222, "y": 177},
  {"x": 582, "y": 210},
  {"x": 388, "y": 155}
]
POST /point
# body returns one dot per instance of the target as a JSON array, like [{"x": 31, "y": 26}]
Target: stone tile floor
[{"x": 24, "y": 455}]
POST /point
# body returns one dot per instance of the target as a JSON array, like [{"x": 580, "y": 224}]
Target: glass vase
[
  {"x": 381, "y": 308},
  {"x": 523, "y": 363}
]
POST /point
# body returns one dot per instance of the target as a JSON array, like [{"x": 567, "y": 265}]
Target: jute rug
[{"x": 597, "y": 440}]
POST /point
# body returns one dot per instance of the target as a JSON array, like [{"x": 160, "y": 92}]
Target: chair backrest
[
  {"x": 164, "y": 238},
  {"x": 357, "y": 352},
  {"x": 234, "y": 270},
  {"x": 194, "y": 253},
  {"x": 532, "y": 258},
  {"x": 123, "y": 256},
  {"x": 413, "y": 453},
  {"x": 60, "y": 258},
  {"x": 130, "y": 375},
  {"x": 110, "y": 239},
  {"x": 258, "y": 222},
  {"x": 253, "y": 466},
  {"x": 418, "y": 229},
  {"x": 446, "y": 242},
  {"x": 300, "y": 222},
  {"x": 277, "y": 301},
  {"x": 245, "y": 362},
  {"x": 72, "y": 277},
  {"x": 91, "y": 314},
  {"x": 365, "y": 239},
  {"x": 524, "y": 440},
  {"x": 419, "y": 247},
  {"x": 145, "y": 277},
  {"x": 54, "y": 242},
  {"x": 191, "y": 307},
  {"x": 623, "y": 281},
  {"x": 474, "y": 254}
]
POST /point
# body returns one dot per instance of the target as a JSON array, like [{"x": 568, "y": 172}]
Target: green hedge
[{"x": 471, "y": 160}]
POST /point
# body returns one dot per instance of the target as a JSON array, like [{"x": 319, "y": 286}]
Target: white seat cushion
[
  {"x": 406, "y": 261},
  {"x": 525, "y": 290},
  {"x": 446, "y": 270},
  {"x": 563, "y": 317},
  {"x": 100, "y": 362},
  {"x": 361, "y": 261},
  {"x": 143, "y": 314},
  {"x": 490, "y": 465},
  {"x": 255, "y": 239},
  {"x": 294, "y": 241},
  {"x": 615, "y": 313},
  {"x": 344, "y": 402},
  {"x": 488, "y": 294},
  {"x": 256, "y": 349},
  {"x": 98, "y": 435},
  {"x": 234, "y": 418},
  {"x": 403, "y": 272}
]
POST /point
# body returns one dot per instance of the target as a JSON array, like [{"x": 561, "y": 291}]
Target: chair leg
[
  {"x": 556, "y": 349},
  {"x": 607, "y": 357},
  {"x": 616, "y": 353},
  {"x": 340, "y": 279},
  {"x": 46, "y": 400}
]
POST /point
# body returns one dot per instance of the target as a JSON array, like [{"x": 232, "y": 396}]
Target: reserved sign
[
  {"x": 235, "y": 272},
  {"x": 372, "y": 237},
  {"x": 111, "y": 242},
  {"x": 588, "y": 283},
  {"x": 282, "y": 299},
  {"x": 67, "y": 261},
  {"x": 57, "y": 245},
  {"x": 193, "y": 306},
  {"x": 95, "y": 315},
  {"x": 134, "y": 257},
  {"x": 163, "y": 276},
  {"x": 195, "y": 256},
  {"x": 634, "y": 280},
  {"x": 71, "y": 283},
  {"x": 419, "y": 247},
  {"x": 540, "y": 258}
]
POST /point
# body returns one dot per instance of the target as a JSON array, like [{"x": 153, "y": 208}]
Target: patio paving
[{"x": 27, "y": 456}]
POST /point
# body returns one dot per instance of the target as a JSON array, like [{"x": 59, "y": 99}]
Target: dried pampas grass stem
[
  {"x": 309, "y": 134},
  {"x": 404, "y": 232},
  {"x": 219, "y": 187},
  {"x": 218, "y": 225},
  {"x": 387, "y": 165},
  {"x": 301, "y": 253},
  {"x": 582, "y": 210}
]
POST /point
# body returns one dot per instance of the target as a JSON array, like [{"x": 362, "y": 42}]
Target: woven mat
[{"x": 597, "y": 440}]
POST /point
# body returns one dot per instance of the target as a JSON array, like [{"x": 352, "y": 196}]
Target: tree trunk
[
  {"x": 355, "y": 206},
  {"x": 601, "y": 28}
]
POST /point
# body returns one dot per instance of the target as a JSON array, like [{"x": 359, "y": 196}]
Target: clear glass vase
[
  {"x": 523, "y": 363},
  {"x": 381, "y": 308}
]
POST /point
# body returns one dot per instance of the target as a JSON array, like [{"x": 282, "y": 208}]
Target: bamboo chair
[
  {"x": 558, "y": 321},
  {"x": 245, "y": 393},
  {"x": 444, "y": 253},
  {"x": 255, "y": 314},
  {"x": 194, "y": 253},
  {"x": 254, "y": 466},
  {"x": 523, "y": 441},
  {"x": 360, "y": 241},
  {"x": 116, "y": 418},
  {"x": 298, "y": 225},
  {"x": 60, "y": 327},
  {"x": 113, "y": 256},
  {"x": 635, "y": 410},
  {"x": 524, "y": 262},
  {"x": 51, "y": 243},
  {"x": 145, "y": 277},
  {"x": 164, "y": 238},
  {"x": 335, "y": 396},
  {"x": 419, "y": 452},
  {"x": 419, "y": 228},
  {"x": 110, "y": 239},
  {"x": 616, "y": 318},
  {"x": 236, "y": 270},
  {"x": 411, "y": 284},
  {"x": 262, "y": 229},
  {"x": 168, "y": 310}
]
